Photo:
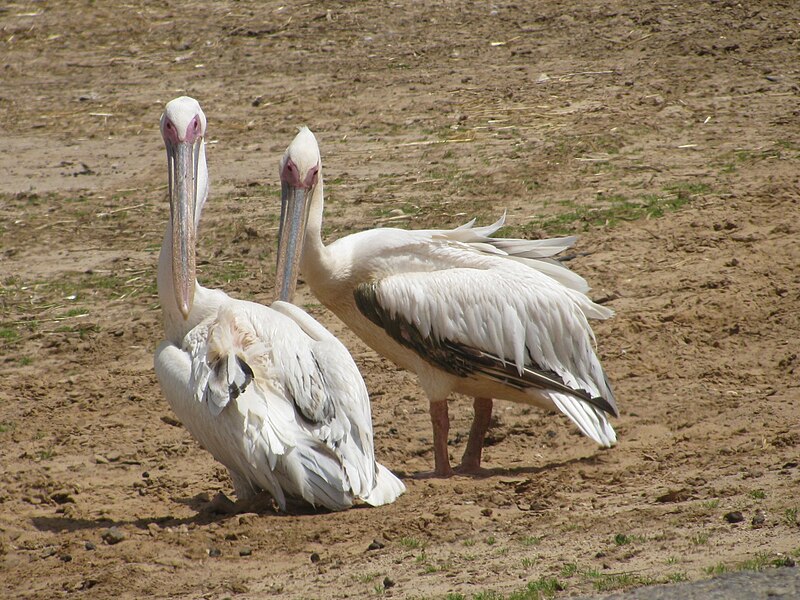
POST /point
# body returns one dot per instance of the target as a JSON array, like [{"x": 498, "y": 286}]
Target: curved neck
[{"x": 315, "y": 255}]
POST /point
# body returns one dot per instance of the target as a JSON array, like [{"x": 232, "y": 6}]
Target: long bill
[
  {"x": 294, "y": 213},
  {"x": 183, "y": 159}
]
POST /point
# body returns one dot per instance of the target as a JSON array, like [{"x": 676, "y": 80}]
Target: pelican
[
  {"x": 468, "y": 313},
  {"x": 268, "y": 391}
]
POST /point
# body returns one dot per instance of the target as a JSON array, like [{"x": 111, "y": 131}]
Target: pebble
[
  {"x": 759, "y": 519},
  {"x": 376, "y": 545},
  {"x": 314, "y": 557},
  {"x": 114, "y": 536},
  {"x": 90, "y": 546},
  {"x": 245, "y": 551},
  {"x": 387, "y": 583},
  {"x": 214, "y": 552},
  {"x": 734, "y": 517}
]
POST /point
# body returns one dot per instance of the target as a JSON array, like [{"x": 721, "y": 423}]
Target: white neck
[{"x": 315, "y": 263}]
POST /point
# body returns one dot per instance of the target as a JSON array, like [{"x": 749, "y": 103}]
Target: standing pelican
[
  {"x": 485, "y": 317},
  {"x": 268, "y": 391}
]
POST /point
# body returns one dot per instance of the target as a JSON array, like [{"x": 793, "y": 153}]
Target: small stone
[
  {"x": 48, "y": 552},
  {"x": 62, "y": 497},
  {"x": 759, "y": 519},
  {"x": 100, "y": 459},
  {"x": 246, "y": 551},
  {"x": 314, "y": 557},
  {"x": 214, "y": 552},
  {"x": 387, "y": 583},
  {"x": 376, "y": 545},
  {"x": 66, "y": 557},
  {"x": 114, "y": 536},
  {"x": 486, "y": 512},
  {"x": 90, "y": 546},
  {"x": 734, "y": 517},
  {"x": 113, "y": 456}
]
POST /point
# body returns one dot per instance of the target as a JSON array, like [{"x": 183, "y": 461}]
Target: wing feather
[{"x": 514, "y": 325}]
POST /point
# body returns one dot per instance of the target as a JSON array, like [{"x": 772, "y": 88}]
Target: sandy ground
[{"x": 666, "y": 136}]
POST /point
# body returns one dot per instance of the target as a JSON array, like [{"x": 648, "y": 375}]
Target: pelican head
[
  {"x": 300, "y": 175},
  {"x": 183, "y": 127}
]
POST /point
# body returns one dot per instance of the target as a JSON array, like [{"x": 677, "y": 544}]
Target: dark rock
[
  {"x": 734, "y": 517},
  {"x": 376, "y": 545},
  {"x": 387, "y": 583},
  {"x": 314, "y": 557},
  {"x": 245, "y": 551}
]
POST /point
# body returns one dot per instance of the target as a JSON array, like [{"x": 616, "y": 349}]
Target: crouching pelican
[
  {"x": 268, "y": 391},
  {"x": 468, "y": 313}
]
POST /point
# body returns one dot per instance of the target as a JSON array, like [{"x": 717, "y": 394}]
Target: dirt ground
[{"x": 667, "y": 136}]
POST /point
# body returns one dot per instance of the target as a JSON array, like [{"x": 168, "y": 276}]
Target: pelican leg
[
  {"x": 441, "y": 427},
  {"x": 471, "y": 461}
]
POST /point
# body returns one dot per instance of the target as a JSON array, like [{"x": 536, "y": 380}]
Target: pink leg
[
  {"x": 441, "y": 426},
  {"x": 471, "y": 461}
]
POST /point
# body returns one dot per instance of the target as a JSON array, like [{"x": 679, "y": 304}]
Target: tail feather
[
  {"x": 592, "y": 422},
  {"x": 387, "y": 488}
]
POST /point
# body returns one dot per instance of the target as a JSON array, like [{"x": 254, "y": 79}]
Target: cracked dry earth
[{"x": 666, "y": 136}]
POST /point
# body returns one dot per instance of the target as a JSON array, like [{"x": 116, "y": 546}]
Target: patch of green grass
[
  {"x": 699, "y": 539},
  {"x": 74, "y": 312},
  {"x": 366, "y": 577},
  {"x": 491, "y": 541},
  {"x": 530, "y": 540},
  {"x": 711, "y": 504},
  {"x": 219, "y": 273},
  {"x": 790, "y": 517},
  {"x": 717, "y": 569},
  {"x": 8, "y": 334},
  {"x": 544, "y": 587},
  {"x": 621, "y": 539},
  {"x": 24, "y": 361},
  {"x": 677, "y": 577},
  {"x": 6, "y": 426},
  {"x": 610, "y": 210},
  {"x": 469, "y": 542},
  {"x": 568, "y": 569},
  {"x": 46, "y": 454},
  {"x": 759, "y": 562},
  {"x": 455, "y": 596},
  {"x": 410, "y": 543},
  {"x": 528, "y": 562},
  {"x": 758, "y": 494},
  {"x": 608, "y": 582}
]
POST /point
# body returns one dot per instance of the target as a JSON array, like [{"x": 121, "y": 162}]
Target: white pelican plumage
[
  {"x": 268, "y": 391},
  {"x": 485, "y": 317}
]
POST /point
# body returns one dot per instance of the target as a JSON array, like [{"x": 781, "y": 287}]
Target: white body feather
[{"x": 301, "y": 427}]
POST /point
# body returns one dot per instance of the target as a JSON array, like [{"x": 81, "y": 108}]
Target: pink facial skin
[
  {"x": 193, "y": 131},
  {"x": 291, "y": 175}
]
